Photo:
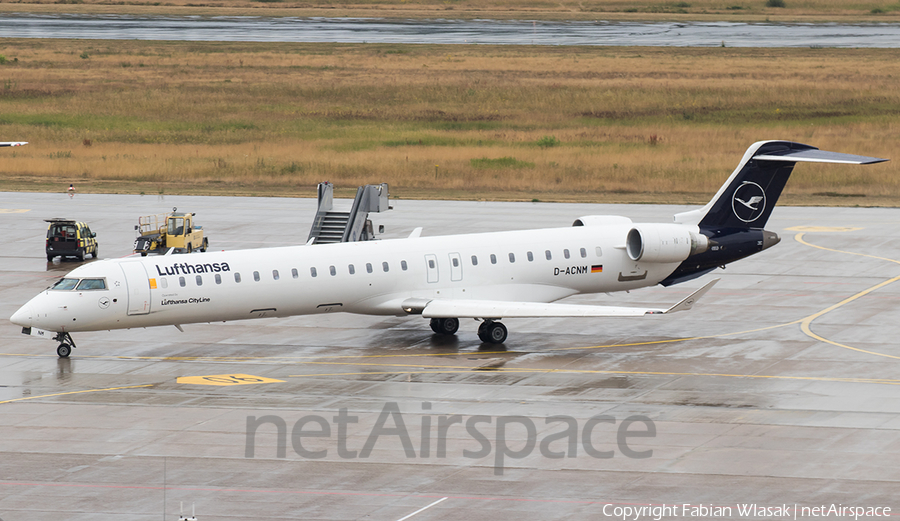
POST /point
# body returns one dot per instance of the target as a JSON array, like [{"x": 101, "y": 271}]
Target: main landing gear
[
  {"x": 490, "y": 331},
  {"x": 66, "y": 344}
]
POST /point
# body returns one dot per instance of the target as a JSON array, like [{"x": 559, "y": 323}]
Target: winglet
[{"x": 689, "y": 300}]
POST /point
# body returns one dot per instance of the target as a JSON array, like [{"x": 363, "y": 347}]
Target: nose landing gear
[{"x": 66, "y": 344}]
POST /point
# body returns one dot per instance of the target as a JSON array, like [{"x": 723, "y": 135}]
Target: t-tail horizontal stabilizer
[{"x": 818, "y": 156}]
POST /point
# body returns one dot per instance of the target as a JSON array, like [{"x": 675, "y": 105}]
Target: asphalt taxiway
[{"x": 780, "y": 388}]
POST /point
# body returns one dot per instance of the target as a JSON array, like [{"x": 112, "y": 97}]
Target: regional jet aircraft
[
  {"x": 485, "y": 276},
  {"x": 12, "y": 143}
]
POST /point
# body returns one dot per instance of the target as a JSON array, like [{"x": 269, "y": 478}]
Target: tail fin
[{"x": 746, "y": 200}]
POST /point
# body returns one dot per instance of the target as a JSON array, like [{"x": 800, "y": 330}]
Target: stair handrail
[
  {"x": 326, "y": 203},
  {"x": 369, "y": 198}
]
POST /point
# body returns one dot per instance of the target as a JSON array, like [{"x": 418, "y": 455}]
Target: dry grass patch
[{"x": 279, "y": 118}]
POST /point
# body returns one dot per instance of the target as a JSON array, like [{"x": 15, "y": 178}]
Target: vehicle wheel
[
  {"x": 64, "y": 350},
  {"x": 435, "y": 325},
  {"x": 190, "y": 248},
  {"x": 205, "y": 245},
  {"x": 96, "y": 251},
  {"x": 496, "y": 333},
  {"x": 80, "y": 255},
  {"x": 50, "y": 257},
  {"x": 448, "y": 326}
]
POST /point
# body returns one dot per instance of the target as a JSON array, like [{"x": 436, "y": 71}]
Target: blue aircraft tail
[
  {"x": 746, "y": 200},
  {"x": 733, "y": 220}
]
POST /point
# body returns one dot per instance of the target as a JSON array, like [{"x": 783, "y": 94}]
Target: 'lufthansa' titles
[{"x": 184, "y": 268}]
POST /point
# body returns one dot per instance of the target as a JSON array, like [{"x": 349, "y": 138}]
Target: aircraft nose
[{"x": 23, "y": 317}]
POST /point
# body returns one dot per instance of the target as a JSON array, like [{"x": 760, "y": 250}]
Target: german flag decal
[{"x": 597, "y": 268}]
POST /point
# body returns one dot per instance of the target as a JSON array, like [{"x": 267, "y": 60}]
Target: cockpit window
[
  {"x": 65, "y": 284},
  {"x": 89, "y": 284}
]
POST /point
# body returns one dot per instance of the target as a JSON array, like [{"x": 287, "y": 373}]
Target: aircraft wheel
[
  {"x": 449, "y": 326},
  {"x": 445, "y": 326},
  {"x": 64, "y": 350},
  {"x": 494, "y": 333}
]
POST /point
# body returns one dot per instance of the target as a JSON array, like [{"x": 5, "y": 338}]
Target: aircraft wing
[{"x": 440, "y": 308}]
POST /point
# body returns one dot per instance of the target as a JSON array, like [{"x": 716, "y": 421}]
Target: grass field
[{"x": 473, "y": 122}]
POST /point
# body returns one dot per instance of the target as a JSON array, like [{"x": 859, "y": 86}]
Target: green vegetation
[{"x": 500, "y": 162}]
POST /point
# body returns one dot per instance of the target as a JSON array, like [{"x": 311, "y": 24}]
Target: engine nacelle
[
  {"x": 664, "y": 242},
  {"x": 601, "y": 220}
]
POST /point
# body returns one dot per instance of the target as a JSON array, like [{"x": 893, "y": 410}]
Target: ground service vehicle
[
  {"x": 68, "y": 238},
  {"x": 173, "y": 231}
]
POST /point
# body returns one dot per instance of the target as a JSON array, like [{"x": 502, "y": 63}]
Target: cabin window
[
  {"x": 199, "y": 280},
  {"x": 181, "y": 282},
  {"x": 275, "y": 274},
  {"x": 295, "y": 273},
  {"x": 548, "y": 255},
  {"x": 312, "y": 272},
  {"x": 493, "y": 259},
  {"x": 218, "y": 279},
  {"x": 351, "y": 269},
  {"x": 237, "y": 277},
  {"x": 163, "y": 283},
  {"x": 474, "y": 260},
  {"x": 332, "y": 270},
  {"x": 256, "y": 276},
  {"x": 89, "y": 284},
  {"x": 176, "y": 225},
  {"x": 599, "y": 251},
  {"x": 385, "y": 267},
  {"x": 455, "y": 262},
  {"x": 65, "y": 284},
  {"x": 583, "y": 253},
  {"x": 566, "y": 253},
  {"x": 431, "y": 263},
  {"x": 368, "y": 267},
  {"x": 530, "y": 257},
  {"x": 403, "y": 265},
  {"x": 512, "y": 257}
]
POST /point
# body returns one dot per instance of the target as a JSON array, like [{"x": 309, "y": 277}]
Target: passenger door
[
  {"x": 138, "y": 285},
  {"x": 455, "y": 267},
  {"x": 431, "y": 266}
]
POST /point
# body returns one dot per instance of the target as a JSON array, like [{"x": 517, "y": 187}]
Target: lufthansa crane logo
[{"x": 748, "y": 201}]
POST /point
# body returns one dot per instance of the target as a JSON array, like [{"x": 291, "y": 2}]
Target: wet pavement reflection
[{"x": 446, "y": 31}]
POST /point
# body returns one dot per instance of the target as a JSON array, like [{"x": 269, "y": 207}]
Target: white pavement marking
[{"x": 421, "y": 509}]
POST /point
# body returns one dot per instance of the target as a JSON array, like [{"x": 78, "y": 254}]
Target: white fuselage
[{"x": 372, "y": 277}]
